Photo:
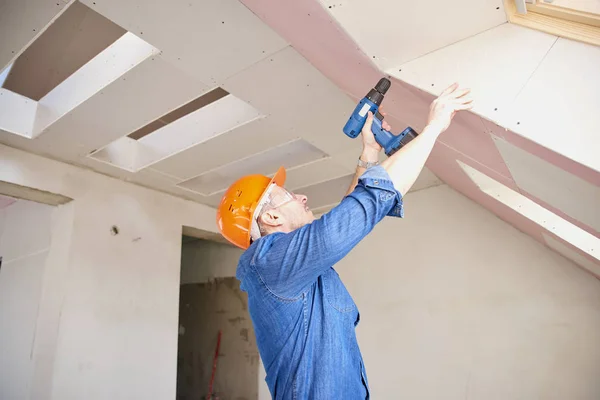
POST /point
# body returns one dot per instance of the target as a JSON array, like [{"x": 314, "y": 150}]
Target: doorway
[{"x": 211, "y": 306}]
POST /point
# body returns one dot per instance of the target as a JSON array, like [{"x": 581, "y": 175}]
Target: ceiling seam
[
  {"x": 534, "y": 70},
  {"x": 478, "y": 163},
  {"x": 448, "y": 45}
]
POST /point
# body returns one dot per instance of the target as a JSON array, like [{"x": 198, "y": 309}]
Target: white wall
[
  {"x": 25, "y": 235},
  {"x": 454, "y": 301},
  {"x": 457, "y": 304},
  {"x": 116, "y": 295}
]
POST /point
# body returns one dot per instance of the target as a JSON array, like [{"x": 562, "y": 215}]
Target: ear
[{"x": 272, "y": 218}]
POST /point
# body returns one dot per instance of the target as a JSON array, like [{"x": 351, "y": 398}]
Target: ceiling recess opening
[
  {"x": 289, "y": 155},
  {"x": 72, "y": 40},
  {"x": 194, "y": 105},
  {"x": 570, "y": 233},
  {"x": 74, "y": 58},
  {"x": 209, "y": 115}
]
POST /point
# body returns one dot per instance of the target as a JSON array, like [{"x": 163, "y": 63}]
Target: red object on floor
[{"x": 214, "y": 368}]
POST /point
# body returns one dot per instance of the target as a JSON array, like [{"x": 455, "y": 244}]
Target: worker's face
[{"x": 289, "y": 210}]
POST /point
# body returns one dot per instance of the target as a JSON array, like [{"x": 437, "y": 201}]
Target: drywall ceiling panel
[
  {"x": 321, "y": 196},
  {"x": 21, "y": 21},
  {"x": 425, "y": 180},
  {"x": 326, "y": 193},
  {"x": 17, "y": 113},
  {"x": 544, "y": 153},
  {"x": 296, "y": 96},
  {"x": 573, "y": 255},
  {"x": 318, "y": 171},
  {"x": 547, "y": 220},
  {"x": 397, "y": 31},
  {"x": 152, "y": 89},
  {"x": 494, "y": 76},
  {"x": 558, "y": 107},
  {"x": 468, "y": 135},
  {"x": 298, "y": 178},
  {"x": 6, "y": 201},
  {"x": 210, "y": 40},
  {"x": 241, "y": 142},
  {"x": 121, "y": 153},
  {"x": 292, "y": 154},
  {"x": 568, "y": 193}
]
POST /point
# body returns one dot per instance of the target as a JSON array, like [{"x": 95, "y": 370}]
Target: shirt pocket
[{"x": 336, "y": 293}]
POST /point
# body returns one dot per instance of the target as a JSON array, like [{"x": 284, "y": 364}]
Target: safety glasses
[
  {"x": 271, "y": 199},
  {"x": 280, "y": 198}
]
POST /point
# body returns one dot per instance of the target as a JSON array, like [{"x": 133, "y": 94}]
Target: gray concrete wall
[
  {"x": 206, "y": 308},
  {"x": 203, "y": 261}
]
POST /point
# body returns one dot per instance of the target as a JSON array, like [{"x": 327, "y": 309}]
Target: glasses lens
[{"x": 281, "y": 198}]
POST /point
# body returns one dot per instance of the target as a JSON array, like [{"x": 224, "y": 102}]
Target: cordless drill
[{"x": 391, "y": 143}]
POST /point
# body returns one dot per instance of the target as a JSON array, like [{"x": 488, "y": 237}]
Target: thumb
[{"x": 368, "y": 122}]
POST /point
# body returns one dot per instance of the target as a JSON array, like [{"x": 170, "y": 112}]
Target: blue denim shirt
[{"x": 303, "y": 316}]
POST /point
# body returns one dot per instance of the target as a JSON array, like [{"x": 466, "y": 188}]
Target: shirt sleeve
[{"x": 290, "y": 262}]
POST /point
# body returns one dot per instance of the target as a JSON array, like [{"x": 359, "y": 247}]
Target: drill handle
[
  {"x": 382, "y": 136},
  {"x": 387, "y": 140}
]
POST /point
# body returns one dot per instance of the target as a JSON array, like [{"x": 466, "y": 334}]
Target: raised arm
[
  {"x": 370, "y": 151},
  {"x": 295, "y": 260},
  {"x": 406, "y": 164}
]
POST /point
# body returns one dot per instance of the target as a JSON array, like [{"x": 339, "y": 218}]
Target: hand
[
  {"x": 369, "y": 142},
  {"x": 444, "y": 108}
]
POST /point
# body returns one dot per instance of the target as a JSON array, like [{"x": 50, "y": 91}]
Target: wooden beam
[{"x": 552, "y": 24}]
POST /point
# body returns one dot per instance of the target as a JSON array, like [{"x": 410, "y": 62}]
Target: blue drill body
[{"x": 371, "y": 102}]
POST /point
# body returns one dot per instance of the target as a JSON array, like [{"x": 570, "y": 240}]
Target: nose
[{"x": 302, "y": 198}]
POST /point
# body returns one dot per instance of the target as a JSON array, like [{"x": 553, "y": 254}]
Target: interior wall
[
  {"x": 116, "y": 292},
  {"x": 25, "y": 236},
  {"x": 456, "y": 303},
  {"x": 204, "y": 310}
]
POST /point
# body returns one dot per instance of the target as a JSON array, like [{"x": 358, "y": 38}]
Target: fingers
[
  {"x": 460, "y": 93},
  {"x": 462, "y": 100},
  {"x": 449, "y": 89},
  {"x": 466, "y": 106},
  {"x": 369, "y": 121}
]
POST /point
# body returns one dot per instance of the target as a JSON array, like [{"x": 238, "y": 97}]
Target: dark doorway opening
[{"x": 207, "y": 306}]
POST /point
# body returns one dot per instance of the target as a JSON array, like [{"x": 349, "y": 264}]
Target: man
[{"x": 303, "y": 316}]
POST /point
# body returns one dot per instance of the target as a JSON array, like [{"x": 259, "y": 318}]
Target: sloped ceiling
[
  {"x": 6, "y": 201},
  {"x": 300, "y": 67}
]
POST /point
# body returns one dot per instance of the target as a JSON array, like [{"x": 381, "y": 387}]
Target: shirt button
[{"x": 377, "y": 182}]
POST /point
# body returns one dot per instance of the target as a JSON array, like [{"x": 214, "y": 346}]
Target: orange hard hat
[{"x": 235, "y": 214}]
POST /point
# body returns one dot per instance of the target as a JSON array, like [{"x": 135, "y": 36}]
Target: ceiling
[
  {"x": 293, "y": 71},
  {"x": 6, "y": 201}
]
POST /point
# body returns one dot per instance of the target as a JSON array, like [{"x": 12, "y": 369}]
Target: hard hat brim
[{"x": 278, "y": 179}]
